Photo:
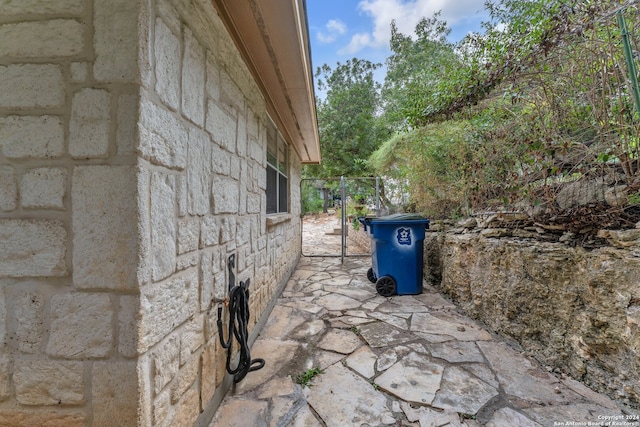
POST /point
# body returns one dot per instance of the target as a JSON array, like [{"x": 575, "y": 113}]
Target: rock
[
  {"x": 613, "y": 178},
  {"x": 567, "y": 237},
  {"x": 436, "y": 226},
  {"x": 513, "y": 216},
  {"x": 580, "y": 193},
  {"x": 497, "y": 219},
  {"x": 617, "y": 195},
  {"x": 494, "y": 232},
  {"x": 524, "y": 234},
  {"x": 621, "y": 238},
  {"x": 487, "y": 221},
  {"x": 468, "y": 223}
]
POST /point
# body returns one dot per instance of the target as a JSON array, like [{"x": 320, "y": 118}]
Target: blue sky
[{"x": 343, "y": 29}]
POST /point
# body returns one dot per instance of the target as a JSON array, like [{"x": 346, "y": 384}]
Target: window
[{"x": 277, "y": 171}]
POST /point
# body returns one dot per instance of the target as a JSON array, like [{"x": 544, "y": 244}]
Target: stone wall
[
  {"x": 574, "y": 310},
  {"x": 68, "y": 247},
  {"x": 203, "y": 157},
  {"x": 132, "y": 164}
]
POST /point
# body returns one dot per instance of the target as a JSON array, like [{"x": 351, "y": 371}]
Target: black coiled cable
[{"x": 238, "y": 327}]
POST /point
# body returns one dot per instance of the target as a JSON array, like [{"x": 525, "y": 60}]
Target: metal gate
[{"x": 330, "y": 209}]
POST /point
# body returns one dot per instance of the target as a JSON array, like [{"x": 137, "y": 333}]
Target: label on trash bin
[{"x": 404, "y": 236}]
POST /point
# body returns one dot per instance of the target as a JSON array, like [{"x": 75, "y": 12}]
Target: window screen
[{"x": 277, "y": 171}]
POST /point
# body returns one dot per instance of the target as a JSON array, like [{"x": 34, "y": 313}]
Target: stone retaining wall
[{"x": 574, "y": 310}]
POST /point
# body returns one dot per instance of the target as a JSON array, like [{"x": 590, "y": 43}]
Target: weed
[{"x": 305, "y": 378}]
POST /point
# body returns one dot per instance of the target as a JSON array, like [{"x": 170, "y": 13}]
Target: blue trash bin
[{"x": 397, "y": 250}]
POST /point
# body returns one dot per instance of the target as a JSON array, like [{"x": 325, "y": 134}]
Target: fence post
[
  {"x": 630, "y": 62},
  {"x": 343, "y": 220}
]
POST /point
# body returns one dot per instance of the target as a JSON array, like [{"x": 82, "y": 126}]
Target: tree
[
  {"x": 415, "y": 68},
  {"x": 348, "y": 119}
]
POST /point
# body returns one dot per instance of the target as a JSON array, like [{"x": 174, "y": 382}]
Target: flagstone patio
[{"x": 401, "y": 361}]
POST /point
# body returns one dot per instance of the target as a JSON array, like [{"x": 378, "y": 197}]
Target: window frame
[{"x": 277, "y": 163}]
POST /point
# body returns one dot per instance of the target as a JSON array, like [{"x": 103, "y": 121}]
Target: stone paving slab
[
  {"x": 463, "y": 392},
  {"x": 342, "y": 398},
  {"x": 401, "y": 361},
  {"x": 414, "y": 379}
]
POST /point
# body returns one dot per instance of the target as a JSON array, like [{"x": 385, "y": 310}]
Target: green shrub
[
  {"x": 432, "y": 161},
  {"x": 311, "y": 200}
]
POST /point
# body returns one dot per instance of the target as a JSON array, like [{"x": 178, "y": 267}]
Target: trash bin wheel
[
  {"x": 386, "y": 286},
  {"x": 371, "y": 275}
]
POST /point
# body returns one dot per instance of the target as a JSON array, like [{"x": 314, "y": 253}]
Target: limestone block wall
[
  {"x": 68, "y": 247},
  {"x": 575, "y": 310},
  {"x": 132, "y": 164},
  {"x": 202, "y": 198}
]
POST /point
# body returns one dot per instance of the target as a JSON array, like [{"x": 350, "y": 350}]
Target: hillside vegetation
[{"x": 537, "y": 114}]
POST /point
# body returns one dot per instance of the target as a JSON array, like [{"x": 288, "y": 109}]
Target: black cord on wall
[{"x": 238, "y": 303}]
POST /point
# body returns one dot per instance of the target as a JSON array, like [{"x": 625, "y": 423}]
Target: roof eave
[{"x": 272, "y": 36}]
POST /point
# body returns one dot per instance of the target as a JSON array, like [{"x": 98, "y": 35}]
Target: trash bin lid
[
  {"x": 395, "y": 218},
  {"x": 400, "y": 217}
]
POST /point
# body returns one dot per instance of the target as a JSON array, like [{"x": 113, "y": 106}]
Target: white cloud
[
  {"x": 334, "y": 29},
  {"x": 358, "y": 41},
  {"x": 406, "y": 13},
  {"x": 336, "y": 26}
]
